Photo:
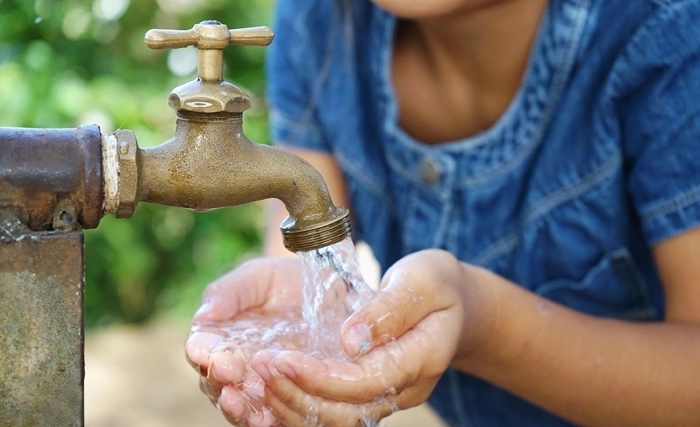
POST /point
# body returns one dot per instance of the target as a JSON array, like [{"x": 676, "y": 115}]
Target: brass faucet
[{"x": 209, "y": 162}]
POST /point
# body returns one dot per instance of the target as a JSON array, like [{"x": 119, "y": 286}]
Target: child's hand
[
  {"x": 258, "y": 291},
  {"x": 404, "y": 340}
]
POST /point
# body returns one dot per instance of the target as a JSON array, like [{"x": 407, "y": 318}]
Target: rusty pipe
[
  {"x": 209, "y": 163},
  {"x": 52, "y": 178}
]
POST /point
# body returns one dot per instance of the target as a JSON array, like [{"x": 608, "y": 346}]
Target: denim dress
[{"x": 596, "y": 159}]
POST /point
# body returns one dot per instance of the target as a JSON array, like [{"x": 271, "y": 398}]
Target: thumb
[
  {"x": 413, "y": 288},
  {"x": 393, "y": 311},
  {"x": 227, "y": 295},
  {"x": 242, "y": 288}
]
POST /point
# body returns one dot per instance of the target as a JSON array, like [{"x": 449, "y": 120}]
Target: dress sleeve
[
  {"x": 662, "y": 122},
  {"x": 292, "y": 69}
]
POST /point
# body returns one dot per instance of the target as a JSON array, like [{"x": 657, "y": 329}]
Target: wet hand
[
  {"x": 259, "y": 291},
  {"x": 401, "y": 342}
]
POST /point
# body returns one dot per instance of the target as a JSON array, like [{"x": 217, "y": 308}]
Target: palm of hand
[{"x": 255, "y": 307}]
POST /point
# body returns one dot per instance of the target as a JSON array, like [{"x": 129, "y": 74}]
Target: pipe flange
[{"x": 129, "y": 156}]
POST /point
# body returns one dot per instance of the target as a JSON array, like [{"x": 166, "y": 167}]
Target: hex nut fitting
[
  {"x": 129, "y": 158},
  {"x": 209, "y": 97}
]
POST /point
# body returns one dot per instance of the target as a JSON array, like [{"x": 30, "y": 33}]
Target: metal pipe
[{"x": 52, "y": 178}]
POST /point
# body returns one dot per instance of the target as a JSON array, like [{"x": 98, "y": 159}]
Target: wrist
[{"x": 481, "y": 303}]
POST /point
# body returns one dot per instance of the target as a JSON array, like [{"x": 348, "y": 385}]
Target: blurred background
[{"x": 73, "y": 62}]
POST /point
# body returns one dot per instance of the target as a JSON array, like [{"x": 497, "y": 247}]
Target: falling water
[{"x": 332, "y": 289}]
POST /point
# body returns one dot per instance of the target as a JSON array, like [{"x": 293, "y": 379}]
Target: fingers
[
  {"x": 264, "y": 418},
  {"x": 245, "y": 287},
  {"x": 198, "y": 347},
  {"x": 284, "y": 413},
  {"x": 245, "y": 405},
  {"x": 216, "y": 368},
  {"x": 209, "y": 390},
  {"x": 389, "y": 315},
  {"x": 294, "y": 407},
  {"x": 227, "y": 366},
  {"x": 234, "y": 405},
  {"x": 346, "y": 381},
  {"x": 234, "y": 292},
  {"x": 262, "y": 365},
  {"x": 413, "y": 288},
  {"x": 416, "y": 359},
  {"x": 334, "y": 379}
]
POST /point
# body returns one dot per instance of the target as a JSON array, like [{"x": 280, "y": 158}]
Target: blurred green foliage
[{"x": 72, "y": 62}]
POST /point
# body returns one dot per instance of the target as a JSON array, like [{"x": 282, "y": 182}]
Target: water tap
[{"x": 209, "y": 162}]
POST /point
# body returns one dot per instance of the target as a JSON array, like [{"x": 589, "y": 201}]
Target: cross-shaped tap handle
[{"x": 211, "y": 38}]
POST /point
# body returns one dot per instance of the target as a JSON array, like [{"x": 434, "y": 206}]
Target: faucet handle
[
  {"x": 209, "y": 93},
  {"x": 211, "y": 38}
]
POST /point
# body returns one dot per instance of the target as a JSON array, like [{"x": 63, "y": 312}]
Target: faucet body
[{"x": 209, "y": 163}]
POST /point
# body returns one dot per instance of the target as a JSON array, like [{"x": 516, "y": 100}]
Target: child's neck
[{"x": 473, "y": 60}]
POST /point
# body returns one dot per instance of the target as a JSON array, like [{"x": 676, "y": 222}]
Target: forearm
[{"x": 592, "y": 371}]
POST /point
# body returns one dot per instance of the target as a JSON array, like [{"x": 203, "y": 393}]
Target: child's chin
[{"x": 420, "y": 9}]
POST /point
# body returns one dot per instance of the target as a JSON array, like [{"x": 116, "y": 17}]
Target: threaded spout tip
[{"x": 318, "y": 235}]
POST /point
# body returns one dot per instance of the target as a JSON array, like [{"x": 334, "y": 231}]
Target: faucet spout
[{"x": 209, "y": 163}]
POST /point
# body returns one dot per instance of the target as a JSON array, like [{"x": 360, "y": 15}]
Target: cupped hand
[
  {"x": 402, "y": 342},
  {"x": 255, "y": 297}
]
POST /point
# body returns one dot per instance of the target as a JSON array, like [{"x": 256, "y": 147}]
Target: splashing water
[{"x": 332, "y": 289}]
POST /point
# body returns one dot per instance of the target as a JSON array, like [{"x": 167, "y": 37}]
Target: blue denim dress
[{"x": 596, "y": 159}]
